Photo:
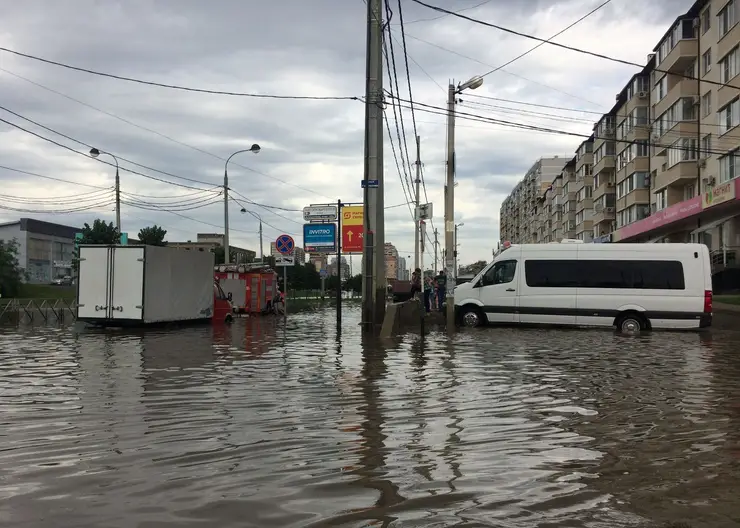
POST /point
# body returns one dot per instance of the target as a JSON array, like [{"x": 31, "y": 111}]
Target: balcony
[
  {"x": 603, "y": 214},
  {"x": 684, "y": 51},
  {"x": 683, "y": 88},
  {"x": 604, "y": 188},
  {"x": 641, "y": 164},
  {"x": 684, "y": 129},
  {"x": 605, "y": 163},
  {"x": 681, "y": 173},
  {"x": 636, "y": 197},
  {"x": 582, "y": 205}
]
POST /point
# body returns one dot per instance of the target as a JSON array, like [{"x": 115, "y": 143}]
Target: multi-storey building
[
  {"x": 671, "y": 172},
  {"x": 604, "y": 175},
  {"x": 633, "y": 149},
  {"x": 568, "y": 201},
  {"x": 583, "y": 188},
  {"x": 520, "y": 211},
  {"x": 391, "y": 261}
]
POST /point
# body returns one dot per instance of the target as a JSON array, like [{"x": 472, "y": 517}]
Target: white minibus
[{"x": 631, "y": 286}]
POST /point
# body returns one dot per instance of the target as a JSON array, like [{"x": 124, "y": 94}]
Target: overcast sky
[{"x": 312, "y": 151}]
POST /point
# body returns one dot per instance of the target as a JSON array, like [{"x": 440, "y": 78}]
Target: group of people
[{"x": 434, "y": 289}]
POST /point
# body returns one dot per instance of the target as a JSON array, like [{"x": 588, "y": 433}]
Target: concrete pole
[
  {"x": 226, "y": 216},
  {"x": 262, "y": 254},
  {"x": 417, "y": 219},
  {"x": 374, "y": 293},
  {"x": 449, "y": 262},
  {"x": 436, "y": 244}
]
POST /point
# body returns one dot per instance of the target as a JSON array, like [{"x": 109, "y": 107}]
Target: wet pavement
[{"x": 268, "y": 424}]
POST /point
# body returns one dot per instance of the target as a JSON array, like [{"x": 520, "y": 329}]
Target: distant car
[{"x": 62, "y": 281}]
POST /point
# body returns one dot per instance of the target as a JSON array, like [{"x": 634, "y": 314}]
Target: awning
[{"x": 712, "y": 225}]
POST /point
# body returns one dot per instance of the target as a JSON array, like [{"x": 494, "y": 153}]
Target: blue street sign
[
  {"x": 323, "y": 273},
  {"x": 320, "y": 238},
  {"x": 371, "y": 184},
  {"x": 285, "y": 244}
]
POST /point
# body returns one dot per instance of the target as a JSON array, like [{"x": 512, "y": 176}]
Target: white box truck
[{"x": 138, "y": 285}]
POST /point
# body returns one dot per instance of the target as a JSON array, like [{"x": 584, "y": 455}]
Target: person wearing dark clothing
[
  {"x": 441, "y": 288},
  {"x": 415, "y": 282}
]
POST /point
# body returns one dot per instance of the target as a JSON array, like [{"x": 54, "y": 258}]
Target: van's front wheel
[{"x": 471, "y": 316}]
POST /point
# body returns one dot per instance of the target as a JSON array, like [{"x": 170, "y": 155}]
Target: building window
[
  {"x": 706, "y": 145},
  {"x": 729, "y": 116},
  {"x": 706, "y": 61},
  {"x": 685, "y": 149},
  {"x": 729, "y": 166},
  {"x": 728, "y": 66},
  {"x": 706, "y": 21},
  {"x": 706, "y": 104},
  {"x": 661, "y": 200},
  {"x": 661, "y": 89},
  {"x": 726, "y": 18}
]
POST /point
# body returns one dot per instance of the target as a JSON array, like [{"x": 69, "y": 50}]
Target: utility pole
[
  {"x": 262, "y": 254},
  {"x": 449, "y": 261},
  {"x": 417, "y": 218},
  {"x": 374, "y": 291},
  {"x": 436, "y": 244},
  {"x": 450, "y": 250}
]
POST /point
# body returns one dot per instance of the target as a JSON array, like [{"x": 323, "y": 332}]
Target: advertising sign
[
  {"x": 353, "y": 218},
  {"x": 320, "y": 238},
  {"x": 724, "y": 192},
  {"x": 664, "y": 217}
]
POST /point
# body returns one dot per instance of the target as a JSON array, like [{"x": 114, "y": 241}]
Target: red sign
[
  {"x": 666, "y": 216},
  {"x": 352, "y": 238}
]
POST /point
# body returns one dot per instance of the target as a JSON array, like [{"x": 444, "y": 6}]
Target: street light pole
[
  {"x": 417, "y": 218},
  {"x": 258, "y": 217},
  {"x": 95, "y": 153},
  {"x": 449, "y": 259},
  {"x": 254, "y": 148}
]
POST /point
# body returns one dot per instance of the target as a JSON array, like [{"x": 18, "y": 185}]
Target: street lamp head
[
  {"x": 94, "y": 152},
  {"x": 472, "y": 83},
  {"x": 255, "y": 148}
]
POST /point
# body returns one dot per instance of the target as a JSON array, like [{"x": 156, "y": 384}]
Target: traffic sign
[
  {"x": 323, "y": 273},
  {"x": 320, "y": 238},
  {"x": 353, "y": 218},
  {"x": 284, "y": 260},
  {"x": 285, "y": 244},
  {"x": 325, "y": 213},
  {"x": 371, "y": 184}
]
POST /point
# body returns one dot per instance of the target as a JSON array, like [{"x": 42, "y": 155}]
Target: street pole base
[{"x": 451, "y": 326}]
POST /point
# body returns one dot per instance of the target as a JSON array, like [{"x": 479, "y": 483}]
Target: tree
[
  {"x": 100, "y": 233},
  {"x": 153, "y": 236},
  {"x": 11, "y": 273},
  {"x": 219, "y": 255},
  {"x": 354, "y": 284}
]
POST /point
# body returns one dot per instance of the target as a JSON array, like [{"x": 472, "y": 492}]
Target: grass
[
  {"x": 46, "y": 291},
  {"x": 728, "y": 299}
]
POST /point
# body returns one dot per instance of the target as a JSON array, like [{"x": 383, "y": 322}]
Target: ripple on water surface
[{"x": 267, "y": 423}]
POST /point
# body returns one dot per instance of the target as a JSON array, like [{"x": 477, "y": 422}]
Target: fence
[{"x": 32, "y": 310}]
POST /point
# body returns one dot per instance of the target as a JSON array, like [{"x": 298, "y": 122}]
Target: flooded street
[{"x": 264, "y": 424}]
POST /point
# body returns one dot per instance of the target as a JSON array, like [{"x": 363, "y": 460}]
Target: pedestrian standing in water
[
  {"x": 415, "y": 282},
  {"x": 441, "y": 289},
  {"x": 428, "y": 289}
]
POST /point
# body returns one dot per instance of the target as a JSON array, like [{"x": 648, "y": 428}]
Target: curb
[{"x": 726, "y": 308}]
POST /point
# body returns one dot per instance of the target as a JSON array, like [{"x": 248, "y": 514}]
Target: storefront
[{"x": 672, "y": 224}]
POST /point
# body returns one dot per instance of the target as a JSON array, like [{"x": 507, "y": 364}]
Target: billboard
[
  {"x": 320, "y": 238},
  {"x": 353, "y": 218}
]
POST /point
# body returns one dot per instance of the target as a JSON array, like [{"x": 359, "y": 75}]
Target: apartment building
[
  {"x": 520, "y": 219},
  {"x": 604, "y": 215},
  {"x": 633, "y": 149},
  {"x": 583, "y": 187},
  {"x": 567, "y": 201}
]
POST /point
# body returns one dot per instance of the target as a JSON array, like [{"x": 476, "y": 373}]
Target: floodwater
[{"x": 274, "y": 424}]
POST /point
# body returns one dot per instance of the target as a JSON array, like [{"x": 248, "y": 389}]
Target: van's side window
[
  {"x": 500, "y": 273},
  {"x": 613, "y": 274}
]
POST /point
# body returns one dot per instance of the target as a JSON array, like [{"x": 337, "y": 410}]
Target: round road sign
[{"x": 285, "y": 244}]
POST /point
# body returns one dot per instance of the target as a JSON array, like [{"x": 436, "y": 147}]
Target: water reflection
[{"x": 273, "y": 422}]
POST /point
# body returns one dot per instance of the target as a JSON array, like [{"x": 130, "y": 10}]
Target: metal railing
[
  {"x": 724, "y": 256},
  {"x": 32, "y": 310}
]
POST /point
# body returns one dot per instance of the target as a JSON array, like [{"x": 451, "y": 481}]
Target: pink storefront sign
[{"x": 662, "y": 218}]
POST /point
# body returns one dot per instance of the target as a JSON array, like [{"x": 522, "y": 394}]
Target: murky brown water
[{"x": 266, "y": 426}]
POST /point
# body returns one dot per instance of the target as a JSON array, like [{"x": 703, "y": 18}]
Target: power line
[
  {"x": 99, "y": 160},
  {"x": 584, "y": 17},
  {"x": 160, "y": 134},
  {"x": 533, "y": 128},
  {"x": 178, "y": 87},
  {"x": 565, "y": 46},
  {"x": 443, "y": 16}
]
